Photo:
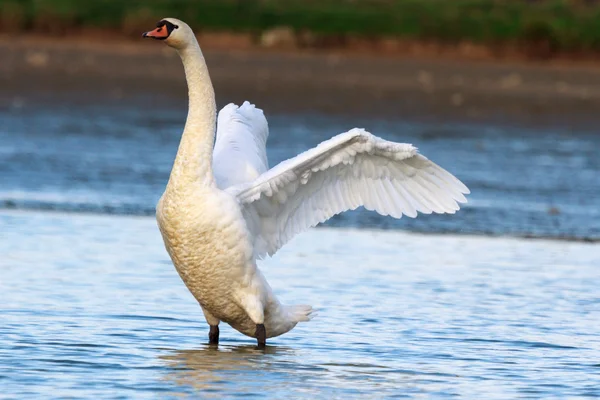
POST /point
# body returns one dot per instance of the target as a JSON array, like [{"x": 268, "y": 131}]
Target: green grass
[{"x": 560, "y": 25}]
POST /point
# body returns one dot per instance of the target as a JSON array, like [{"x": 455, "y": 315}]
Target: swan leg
[
  {"x": 213, "y": 334},
  {"x": 255, "y": 309},
  {"x": 261, "y": 335}
]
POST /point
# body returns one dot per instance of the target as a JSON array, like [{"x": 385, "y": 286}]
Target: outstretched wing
[
  {"x": 350, "y": 170},
  {"x": 240, "y": 153}
]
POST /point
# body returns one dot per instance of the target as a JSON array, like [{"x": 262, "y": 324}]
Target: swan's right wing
[
  {"x": 240, "y": 153},
  {"x": 347, "y": 171}
]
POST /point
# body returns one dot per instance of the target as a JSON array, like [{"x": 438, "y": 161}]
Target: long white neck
[{"x": 193, "y": 163}]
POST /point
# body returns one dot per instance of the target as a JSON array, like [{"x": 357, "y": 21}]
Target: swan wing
[
  {"x": 349, "y": 170},
  {"x": 240, "y": 153}
]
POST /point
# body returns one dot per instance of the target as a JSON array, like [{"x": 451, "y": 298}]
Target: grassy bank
[{"x": 549, "y": 25}]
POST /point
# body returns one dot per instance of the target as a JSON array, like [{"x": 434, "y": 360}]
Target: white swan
[{"x": 223, "y": 208}]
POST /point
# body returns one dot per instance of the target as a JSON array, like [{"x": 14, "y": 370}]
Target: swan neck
[{"x": 193, "y": 162}]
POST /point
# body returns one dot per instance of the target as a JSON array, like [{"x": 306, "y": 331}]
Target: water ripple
[
  {"x": 103, "y": 159},
  {"x": 92, "y": 308}
]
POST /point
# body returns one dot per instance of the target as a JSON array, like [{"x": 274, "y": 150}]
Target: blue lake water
[
  {"x": 92, "y": 307},
  {"x": 115, "y": 159}
]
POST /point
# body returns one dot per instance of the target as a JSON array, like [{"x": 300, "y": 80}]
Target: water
[
  {"x": 116, "y": 159},
  {"x": 91, "y": 307}
]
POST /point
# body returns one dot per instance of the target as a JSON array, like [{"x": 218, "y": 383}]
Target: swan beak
[{"x": 159, "y": 33}]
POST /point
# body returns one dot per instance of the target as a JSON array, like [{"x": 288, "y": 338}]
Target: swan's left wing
[
  {"x": 350, "y": 170},
  {"x": 240, "y": 153}
]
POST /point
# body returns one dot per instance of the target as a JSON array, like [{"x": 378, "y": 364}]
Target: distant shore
[
  {"x": 474, "y": 29},
  {"x": 93, "y": 69}
]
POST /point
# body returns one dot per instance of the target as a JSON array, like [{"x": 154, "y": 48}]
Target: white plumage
[
  {"x": 223, "y": 208},
  {"x": 240, "y": 153},
  {"x": 350, "y": 170}
]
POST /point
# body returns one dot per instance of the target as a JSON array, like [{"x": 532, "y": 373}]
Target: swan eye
[{"x": 166, "y": 24}]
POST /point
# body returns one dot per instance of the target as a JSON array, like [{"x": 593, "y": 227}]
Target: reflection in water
[{"x": 231, "y": 369}]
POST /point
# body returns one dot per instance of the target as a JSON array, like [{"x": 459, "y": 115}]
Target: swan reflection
[{"x": 211, "y": 369}]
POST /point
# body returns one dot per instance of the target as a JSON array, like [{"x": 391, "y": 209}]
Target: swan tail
[{"x": 300, "y": 313}]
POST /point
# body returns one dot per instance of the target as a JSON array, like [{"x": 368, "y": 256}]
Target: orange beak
[{"x": 158, "y": 33}]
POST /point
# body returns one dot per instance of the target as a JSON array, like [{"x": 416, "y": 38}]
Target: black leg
[
  {"x": 261, "y": 336},
  {"x": 213, "y": 334}
]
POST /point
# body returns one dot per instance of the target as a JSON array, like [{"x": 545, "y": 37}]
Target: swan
[{"x": 223, "y": 208}]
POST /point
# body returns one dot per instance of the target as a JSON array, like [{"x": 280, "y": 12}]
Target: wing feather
[
  {"x": 240, "y": 153},
  {"x": 350, "y": 170}
]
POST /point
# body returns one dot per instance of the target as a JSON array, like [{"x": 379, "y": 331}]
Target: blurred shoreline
[
  {"x": 427, "y": 87},
  {"x": 279, "y": 40},
  {"x": 541, "y": 29}
]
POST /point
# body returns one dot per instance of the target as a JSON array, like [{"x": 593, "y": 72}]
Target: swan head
[{"x": 175, "y": 33}]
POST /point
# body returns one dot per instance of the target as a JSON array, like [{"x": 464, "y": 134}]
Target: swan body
[{"x": 223, "y": 208}]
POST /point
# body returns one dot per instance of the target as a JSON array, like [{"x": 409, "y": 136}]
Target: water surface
[
  {"x": 116, "y": 159},
  {"x": 92, "y": 308}
]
